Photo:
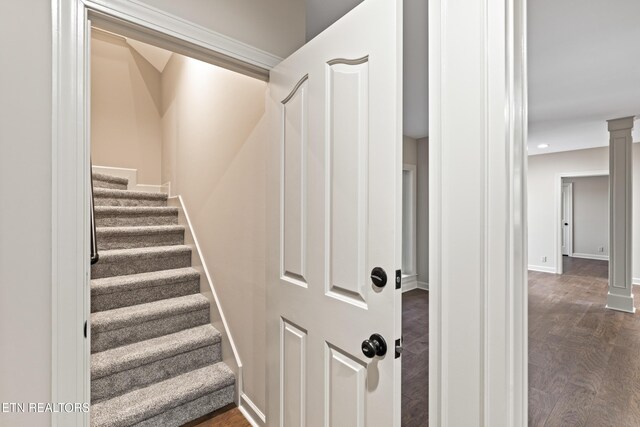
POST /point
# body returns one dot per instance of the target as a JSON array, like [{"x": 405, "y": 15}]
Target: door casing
[
  {"x": 567, "y": 218},
  {"x": 558, "y": 208},
  {"x": 71, "y": 20}
]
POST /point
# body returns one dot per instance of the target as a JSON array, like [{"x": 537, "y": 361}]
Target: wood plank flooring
[
  {"x": 584, "y": 360},
  {"x": 415, "y": 358},
  {"x": 229, "y": 416}
]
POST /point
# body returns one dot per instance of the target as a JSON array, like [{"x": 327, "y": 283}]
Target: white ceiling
[{"x": 584, "y": 67}]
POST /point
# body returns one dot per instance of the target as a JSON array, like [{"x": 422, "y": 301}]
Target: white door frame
[
  {"x": 480, "y": 46},
  {"x": 568, "y": 207},
  {"x": 478, "y": 213},
  {"x": 70, "y": 158},
  {"x": 413, "y": 271},
  {"x": 558, "y": 208}
]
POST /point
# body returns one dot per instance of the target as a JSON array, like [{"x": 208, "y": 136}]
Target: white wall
[
  {"x": 542, "y": 173},
  {"x": 409, "y": 150},
  {"x": 126, "y": 129},
  {"x": 25, "y": 171},
  {"x": 213, "y": 155},
  {"x": 320, "y": 14},
  {"x": 590, "y": 216},
  {"x": 25, "y": 207}
]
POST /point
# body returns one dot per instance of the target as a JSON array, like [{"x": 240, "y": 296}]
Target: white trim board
[
  {"x": 636, "y": 281},
  {"x": 135, "y": 19},
  {"x": 542, "y": 268},
  {"x": 70, "y": 268},
  {"x": 251, "y": 412},
  {"x": 590, "y": 256},
  {"x": 557, "y": 183},
  {"x": 409, "y": 282},
  {"x": 477, "y": 213},
  {"x": 132, "y": 176},
  {"x": 218, "y": 318},
  {"x": 423, "y": 285}
]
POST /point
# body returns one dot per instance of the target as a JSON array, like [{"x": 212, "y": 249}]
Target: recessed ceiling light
[{"x": 543, "y": 145}]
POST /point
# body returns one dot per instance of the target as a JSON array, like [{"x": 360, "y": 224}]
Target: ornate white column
[{"x": 620, "y": 295}]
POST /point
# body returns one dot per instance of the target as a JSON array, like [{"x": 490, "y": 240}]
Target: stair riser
[
  {"x": 143, "y": 295},
  {"x": 121, "y": 241},
  {"x": 105, "y": 340},
  {"x": 107, "y": 184},
  {"x": 135, "y": 265},
  {"x": 135, "y": 220},
  {"x": 195, "y": 409},
  {"x": 122, "y": 382},
  {"x": 127, "y": 201}
]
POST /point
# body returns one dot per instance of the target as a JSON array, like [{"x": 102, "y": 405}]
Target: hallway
[{"x": 584, "y": 368}]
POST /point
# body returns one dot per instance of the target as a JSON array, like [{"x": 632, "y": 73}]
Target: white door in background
[
  {"x": 334, "y": 214},
  {"x": 567, "y": 218}
]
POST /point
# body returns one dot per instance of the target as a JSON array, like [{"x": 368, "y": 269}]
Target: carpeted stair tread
[
  {"x": 128, "y": 194},
  {"x": 128, "y": 237},
  {"x": 117, "y": 216},
  {"x": 122, "y": 262},
  {"x": 144, "y": 403},
  {"x": 136, "y": 210},
  {"x": 139, "y": 230},
  {"x": 114, "y": 255},
  {"x": 110, "y": 178},
  {"x": 109, "y": 285},
  {"x": 144, "y": 352},
  {"x": 126, "y": 316}
]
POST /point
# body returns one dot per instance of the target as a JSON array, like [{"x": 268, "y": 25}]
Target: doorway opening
[
  {"x": 584, "y": 222},
  {"x": 415, "y": 217},
  {"x": 173, "y": 139}
]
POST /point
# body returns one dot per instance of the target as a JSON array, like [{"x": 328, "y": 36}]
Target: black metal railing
[{"x": 92, "y": 214}]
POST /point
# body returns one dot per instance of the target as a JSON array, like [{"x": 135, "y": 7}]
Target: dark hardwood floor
[
  {"x": 584, "y": 360},
  {"x": 415, "y": 358}
]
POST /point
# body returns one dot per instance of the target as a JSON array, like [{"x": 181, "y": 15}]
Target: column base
[{"x": 620, "y": 303}]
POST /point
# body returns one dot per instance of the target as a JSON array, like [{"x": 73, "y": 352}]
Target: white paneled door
[{"x": 334, "y": 215}]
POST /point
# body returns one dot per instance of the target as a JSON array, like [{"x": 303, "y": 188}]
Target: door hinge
[
  {"x": 398, "y": 279},
  {"x": 398, "y": 347},
  {"x": 85, "y": 328}
]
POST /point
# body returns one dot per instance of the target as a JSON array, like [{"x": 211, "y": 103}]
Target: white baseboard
[
  {"x": 409, "y": 283},
  {"x": 635, "y": 281},
  {"x": 591, "y": 256},
  {"x": 423, "y": 285},
  {"x": 542, "y": 268},
  {"x": 132, "y": 176},
  {"x": 251, "y": 412}
]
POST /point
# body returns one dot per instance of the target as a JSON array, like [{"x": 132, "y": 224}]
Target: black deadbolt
[
  {"x": 374, "y": 346},
  {"x": 378, "y": 277}
]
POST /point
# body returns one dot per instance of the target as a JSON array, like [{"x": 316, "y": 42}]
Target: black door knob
[
  {"x": 379, "y": 277},
  {"x": 374, "y": 346}
]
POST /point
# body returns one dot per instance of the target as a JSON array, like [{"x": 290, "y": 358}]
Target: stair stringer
[{"x": 230, "y": 354}]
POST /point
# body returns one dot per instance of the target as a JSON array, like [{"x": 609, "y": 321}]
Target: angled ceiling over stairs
[{"x": 156, "y": 56}]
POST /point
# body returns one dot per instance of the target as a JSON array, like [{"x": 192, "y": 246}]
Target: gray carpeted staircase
[{"x": 155, "y": 357}]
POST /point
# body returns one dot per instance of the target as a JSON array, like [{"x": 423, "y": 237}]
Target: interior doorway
[{"x": 582, "y": 236}]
